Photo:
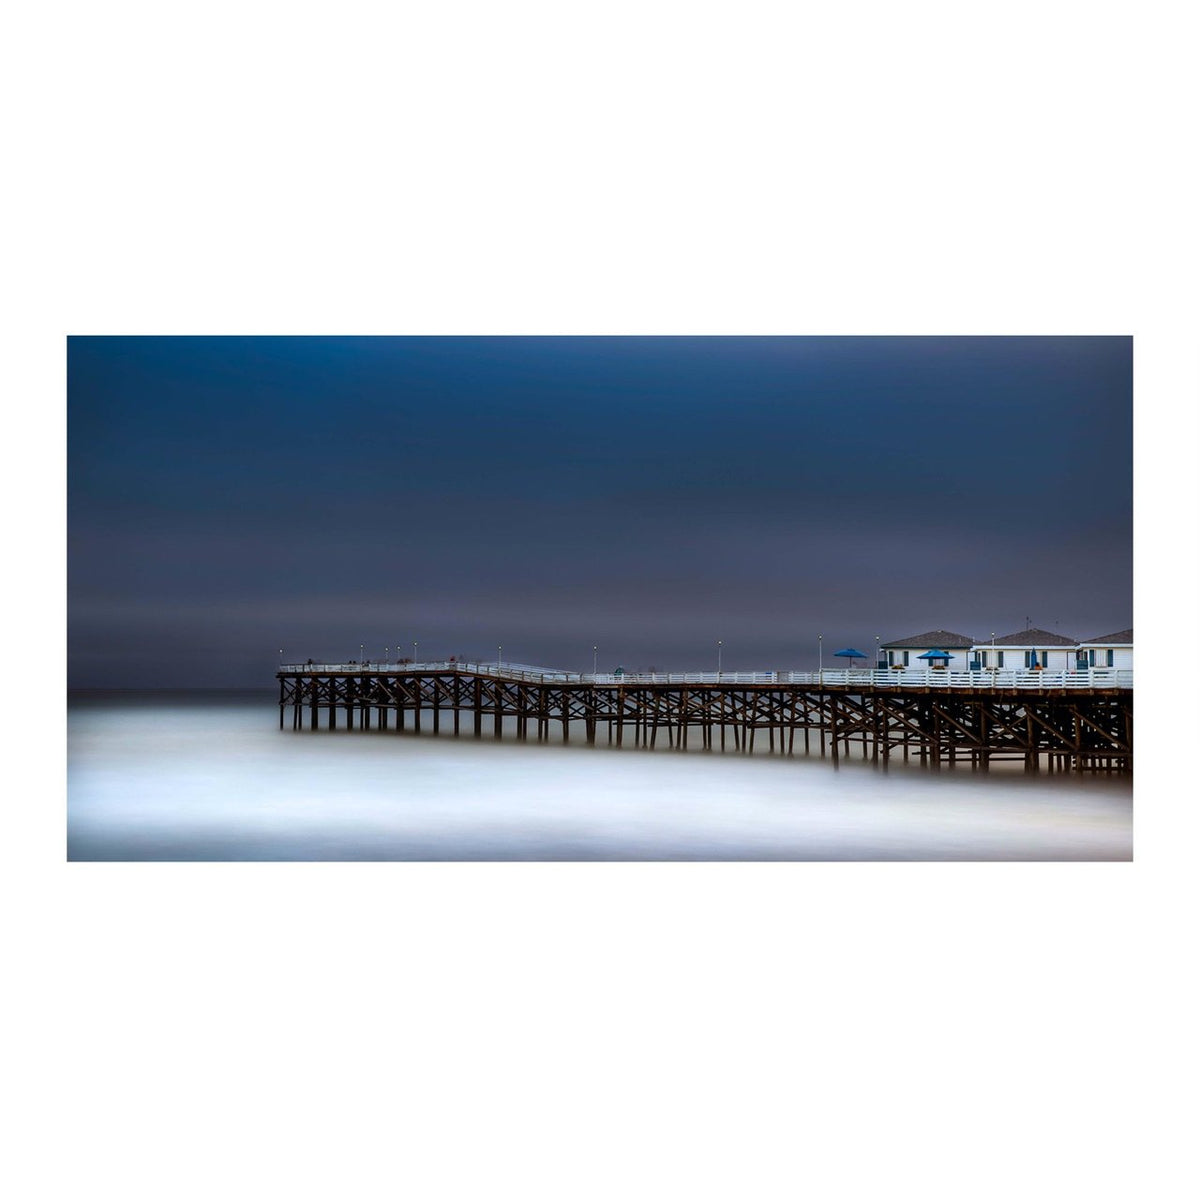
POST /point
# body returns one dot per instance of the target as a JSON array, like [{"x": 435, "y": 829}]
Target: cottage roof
[
  {"x": 1124, "y": 638},
  {"x": 937, "y": 639},
  {"x": 1031, "y": 637}
]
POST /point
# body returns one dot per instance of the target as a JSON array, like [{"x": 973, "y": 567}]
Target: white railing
[
  {"x": 1096, "y": 677},
  {"x": 519, "y": 671}
]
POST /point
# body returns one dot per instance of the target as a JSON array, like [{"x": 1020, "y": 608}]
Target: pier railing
[{"x": 1096, "y": 677}]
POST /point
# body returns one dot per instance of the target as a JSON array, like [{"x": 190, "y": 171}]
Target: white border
[{"x": 633, "y": 1030}]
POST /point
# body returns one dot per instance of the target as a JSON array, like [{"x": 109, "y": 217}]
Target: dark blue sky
[{"x": 233, "y": 496}]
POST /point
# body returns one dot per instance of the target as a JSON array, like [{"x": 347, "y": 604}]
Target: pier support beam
[{"x": 1076, "y": 730}]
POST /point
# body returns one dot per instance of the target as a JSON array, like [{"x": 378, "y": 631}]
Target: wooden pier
[{"x": 1081, "y": 721}]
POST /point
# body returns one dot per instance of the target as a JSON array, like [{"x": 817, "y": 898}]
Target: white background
[{"x": 599, "y": 1030}]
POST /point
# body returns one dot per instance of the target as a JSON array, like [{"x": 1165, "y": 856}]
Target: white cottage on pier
[
  {"x": 1026, "y": 650},
  {"x": 1110, "y": 650},
  {"x": 907, "y": 652}
]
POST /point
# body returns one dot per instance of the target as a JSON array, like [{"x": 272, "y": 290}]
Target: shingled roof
[
  {"x": 1124, "y": 638},
  {"x": 937, "y": 639},
  {"x": 1031, "y": 637}
]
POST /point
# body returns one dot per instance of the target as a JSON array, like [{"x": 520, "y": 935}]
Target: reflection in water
[{"x": 193, "y": 777}]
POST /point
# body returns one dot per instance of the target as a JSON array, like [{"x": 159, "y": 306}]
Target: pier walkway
[{"x": 919, "y": 677}]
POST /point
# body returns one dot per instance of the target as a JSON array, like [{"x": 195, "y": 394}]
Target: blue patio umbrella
[
  {"x": 939, "y": 654},
  {"x": 848, "y": 653}
]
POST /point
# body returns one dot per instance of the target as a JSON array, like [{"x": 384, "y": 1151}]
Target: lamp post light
[
  {"x": 499, "y": 657},
  {"x": 878, "y": 652},
  {"x": 718, "y": 660},
  {"x": 595, "y": 651},
  {"x": 414, "y": 654},
  {"x": 820, "y": 653},
  {"x": 360, "y": 655}
]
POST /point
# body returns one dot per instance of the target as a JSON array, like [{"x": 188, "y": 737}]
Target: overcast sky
[{"x": 231, "y": 497}]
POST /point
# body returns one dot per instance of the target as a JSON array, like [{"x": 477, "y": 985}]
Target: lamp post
[
  {"x": 360, "y": 655},
  {"x": 718, "y": 660},
  {"x": 499, "y": 657},
  {"x": 820, "y": 653},
  {"x": 993, "y": 649},
  {"x": 877, "y": 652},
  {"x": 386, "y": 654},
  {"x": 414, "y": 654},
  {"x": 595, "y": 651}
]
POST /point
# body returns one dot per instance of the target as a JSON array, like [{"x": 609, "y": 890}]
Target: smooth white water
[{"x": 175, "y": 778}]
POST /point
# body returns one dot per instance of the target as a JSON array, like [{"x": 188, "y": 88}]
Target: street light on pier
[
  {"x": 595, "y": 650},
  {"x": 878, "y": 652},
  {"x": 718, "y": 660},
  {"x": 414, "y": 653},
  {"x": 820, "y": 652},
  {"x": 360, "y": 653},
  {"x": 499, "y": 657}
]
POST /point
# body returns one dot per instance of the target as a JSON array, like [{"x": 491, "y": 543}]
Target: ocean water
[{"x": 211, "y": 777}]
